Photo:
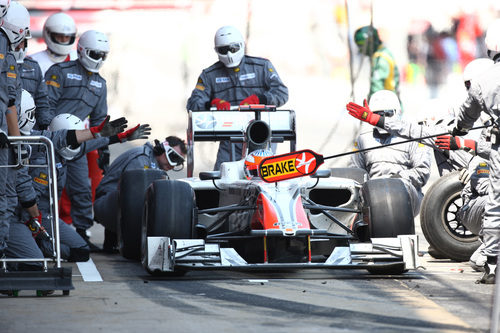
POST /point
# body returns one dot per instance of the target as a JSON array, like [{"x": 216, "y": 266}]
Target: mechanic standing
[
  {"x": 384, "y": 71},
  {"x": 484, "y": 95},
  {"x": 10, "y": 92},
  {"x": 76, "y": 87},
  {"x": 59, "y": 34},
  {"x": 409, "y": 162},
  {"x": 236, "y": 79},
  {"x": 166, "y": 155}
]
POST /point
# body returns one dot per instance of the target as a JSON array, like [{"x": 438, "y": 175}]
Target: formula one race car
[{"x": 228, "y": 219}]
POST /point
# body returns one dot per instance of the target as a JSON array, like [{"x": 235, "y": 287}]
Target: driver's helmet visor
[{"x": 233, "y": 48}]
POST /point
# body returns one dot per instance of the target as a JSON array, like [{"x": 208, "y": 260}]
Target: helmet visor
[
  {"x": 385, "y": 113},
  {"x": 233, "y": 48},
  {"x": 97, "y": 55},
  {"x": 62, "y": 39},
  {"x": 173, "y": 157}
]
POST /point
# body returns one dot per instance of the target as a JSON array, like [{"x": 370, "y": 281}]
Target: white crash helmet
[
  {"x": 386, "y": 103},
  {"x": 229, "y": 46},
  {"x": 67, "y": 121},
  {"x": 492, "y": 39},
  {"x": 4, "y": 7},
  {"x": 475, "y": 68},
  {"x": 59, "y": 24},
  {"x": 26, "y": 119},
  {"x": 16, "y": 24},
  {"x": 93, "y": 48}
]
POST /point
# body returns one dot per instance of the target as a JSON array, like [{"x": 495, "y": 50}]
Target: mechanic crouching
[
  {"x": 236, "y": 79},
  {"x": 410, "y": 162},
  {"x": 167, "y": 155}
]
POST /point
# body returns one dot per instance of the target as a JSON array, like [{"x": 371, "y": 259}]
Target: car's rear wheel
[
  {"x": 132, "y": 188},
  {"x": 169, "y": 211},
  {"x": 439, "y": 222},
  {"x": 389, "y": 206}
]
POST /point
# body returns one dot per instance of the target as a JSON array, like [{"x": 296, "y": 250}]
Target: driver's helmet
[{"x": 252, "y": 162}]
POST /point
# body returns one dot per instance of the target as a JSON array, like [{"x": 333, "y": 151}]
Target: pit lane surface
[{"x": 440, "y": 297}]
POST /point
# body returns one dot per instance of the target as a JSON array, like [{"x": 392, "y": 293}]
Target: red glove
[
  {"x": 252, "y": 99},
  {"x": 36, "y": 228},
  {"x": 220, "y": 104},
  {"x": 448, "y": 142},
  {"x": 363, "y": 113}
]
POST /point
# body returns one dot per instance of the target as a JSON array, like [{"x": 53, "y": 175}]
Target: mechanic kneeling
[{"x": 165, "y": 155}]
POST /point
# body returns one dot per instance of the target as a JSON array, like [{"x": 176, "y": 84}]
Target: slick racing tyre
[
  {"x": 357, "y": 174},
  {"x": 132, "y": 188},
  {"x": 439, "y": 222},
  {"x": 169, "y": 211},
  {"x": 389, "y": 207}
]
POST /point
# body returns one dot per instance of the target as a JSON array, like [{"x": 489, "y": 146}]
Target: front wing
[{"x": 167, "y": 255}]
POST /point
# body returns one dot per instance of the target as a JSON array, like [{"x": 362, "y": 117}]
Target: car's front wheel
[{"x": 169, "y": 211}]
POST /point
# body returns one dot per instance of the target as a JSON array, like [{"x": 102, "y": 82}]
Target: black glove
[
  {"x": 458, "y": 131},
  {"x": 109, "y": 128},
  {"x": 103, "y": 160},
  {"x": 4, "y": 140}
]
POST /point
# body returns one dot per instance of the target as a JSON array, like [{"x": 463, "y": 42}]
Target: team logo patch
[
  {"x": 41, "y": 181},
  {"x": 53, "y": 77},
  {"x": 43, "y": 175},
  {"x": 73, "y": 76},
  {"x": 483, "y": 164},
  {"x": 236, "y": 70},
  {"x": 200, "y": 80},
  {"x": 96, "y": 84},
  {"x": 364, "y": 115},
  {"x": 271, "y": 70},
  {"x": 248, "y": 76},
  {"x": 52, "y": 83},
  {"x": 11, "y": 67},
  {"x": 222, "y": 80}
]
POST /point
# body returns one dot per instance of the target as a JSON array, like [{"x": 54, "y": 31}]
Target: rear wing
[{"x": 216, "y": 125}]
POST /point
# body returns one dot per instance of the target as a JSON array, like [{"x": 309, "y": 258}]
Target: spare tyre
[{"x": 439, "y": 222}]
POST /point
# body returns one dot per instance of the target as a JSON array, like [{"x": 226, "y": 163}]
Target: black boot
[
  {"x": 93, "y": 248},
  {"x": 110, "y": 244}
]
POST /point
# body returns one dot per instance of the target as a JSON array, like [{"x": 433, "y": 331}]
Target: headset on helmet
[
  {"x": 69, "y": 122},
  {"x": 16, "y": 24},
  {"x": 59, "y": 25},
  {"x": 93, "y": 48},
  {"x": 26, "y": 119},
  {"x": 252, "y": 162},
  {"x": 229, "y": 46}
]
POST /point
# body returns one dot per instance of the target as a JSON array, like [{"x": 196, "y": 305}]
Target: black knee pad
[{"x": 79, "y": 254}]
